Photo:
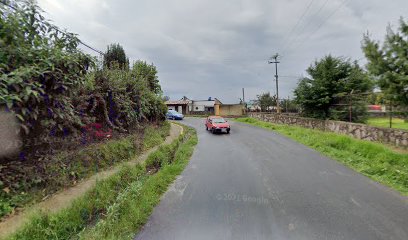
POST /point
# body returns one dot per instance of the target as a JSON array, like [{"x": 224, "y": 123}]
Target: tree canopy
[
  {"x": 389, "y": 63},
  {"x": 115, "y": 55},
  {"x": 331, "y": 80},
  {"x": 149, "y": 73}
]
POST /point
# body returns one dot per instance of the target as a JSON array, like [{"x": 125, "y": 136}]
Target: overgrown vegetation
[
  {"x": 118, "y": 206},
  {"x": 66, "y": 104},
  {"x": 65, "y": 169},
  {"x": 371, "y": 159},
  {"x": 56, "y": 91},
  {"x": 41, "y": 69}
]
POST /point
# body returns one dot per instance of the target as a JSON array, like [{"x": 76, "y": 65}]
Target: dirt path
[{"x": 64, "y": 198}]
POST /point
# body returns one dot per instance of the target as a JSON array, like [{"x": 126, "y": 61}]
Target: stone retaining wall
[{"x": 396, "y": 137}]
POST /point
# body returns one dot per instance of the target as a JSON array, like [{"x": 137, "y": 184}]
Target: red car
[{"x": 217, "y": 124}]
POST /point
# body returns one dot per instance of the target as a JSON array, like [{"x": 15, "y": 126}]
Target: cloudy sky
[{"x": 215, "y": 48}]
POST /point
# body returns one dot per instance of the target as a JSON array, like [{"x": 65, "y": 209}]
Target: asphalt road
[{"x": 256, "y": 184}]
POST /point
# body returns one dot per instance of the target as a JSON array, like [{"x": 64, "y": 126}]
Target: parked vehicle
[
  {"x": 217, "y": 124},
  {"x": 174, "y": 115}
]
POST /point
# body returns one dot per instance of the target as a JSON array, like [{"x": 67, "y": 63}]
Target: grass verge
[
  {"x": 118, "y": 206},
  {"x": 371, "y": 159},
  {"x": 67, "y": 168},
  {"x": 198, "y": 115},
  {"x": 385, "y": 123}
]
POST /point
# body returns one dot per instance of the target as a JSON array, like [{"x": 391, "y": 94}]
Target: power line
[
  {"x": 297, "y": 24},
  {"x": 86, "y": 45},
  {"x": 306, "y": 25},
  {"x": 8, "y": 5},
  {"x": 59, "y": 30},
  {"x": 322, "y": 23}
]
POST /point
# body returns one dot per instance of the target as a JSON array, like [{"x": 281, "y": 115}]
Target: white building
[{"x": 187, "y": 106}]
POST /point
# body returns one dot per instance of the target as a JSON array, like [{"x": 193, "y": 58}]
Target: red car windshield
[{"x": 218, "y": 120}]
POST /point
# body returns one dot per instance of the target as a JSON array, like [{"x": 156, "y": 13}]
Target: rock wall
[{"x": 396, "y": 137}]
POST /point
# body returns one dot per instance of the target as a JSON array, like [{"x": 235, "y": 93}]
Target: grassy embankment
[
  {"x": 118, "y": 206},
  {"x": 67, "y": 168},
  {"x": 385, "y": 123},
  {"x": 374, "y": 160}
]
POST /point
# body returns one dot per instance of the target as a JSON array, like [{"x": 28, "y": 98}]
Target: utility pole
[
  {"x": 275, "y": 57},
  {"x": 243, "y": 95}
]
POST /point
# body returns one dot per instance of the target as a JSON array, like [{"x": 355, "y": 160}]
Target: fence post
[{"x": 391, "y": 114}]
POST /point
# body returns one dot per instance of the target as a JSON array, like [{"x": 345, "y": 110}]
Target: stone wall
[{"x": 396, "y": 137}]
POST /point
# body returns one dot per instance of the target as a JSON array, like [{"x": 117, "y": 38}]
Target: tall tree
[
  {"x": 332, "y": 80},
  {"x": 389, "y": 63},
  {"x": 115, "y": 56},
  {"x": 148, "y": 73}
]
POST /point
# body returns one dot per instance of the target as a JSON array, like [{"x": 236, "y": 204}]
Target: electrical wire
[
  {"x": 320, "y": 25},
  {"x": 297, "y": 24},
  {"x": 304, "y": 27}
]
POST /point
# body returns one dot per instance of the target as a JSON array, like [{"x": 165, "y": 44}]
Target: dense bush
[
  {"x": 41, "y": 68},
  {"x": 55, "y": 90},
  {"x": 62, "y": 101}
]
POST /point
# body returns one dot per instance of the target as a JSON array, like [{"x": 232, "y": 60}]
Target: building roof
[
  {"x": 177, "y": 102},
  {"x": 185, "y": 101}
]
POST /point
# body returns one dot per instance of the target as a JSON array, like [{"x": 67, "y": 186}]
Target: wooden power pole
[{"x": 275, "y": 57}]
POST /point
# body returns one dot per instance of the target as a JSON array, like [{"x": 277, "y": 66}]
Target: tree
[
  {"x": 148, "y": 72},
  {"x": 265, "y": 101},
  {"x": 332, "y": 81},
  {"x": 389, "y": 63},
  {"x": 115, "y": 55},
  {"x": 288, "y": 105}
]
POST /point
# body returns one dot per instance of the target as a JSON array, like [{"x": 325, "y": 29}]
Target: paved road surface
[{"x": 256, "y": 184}]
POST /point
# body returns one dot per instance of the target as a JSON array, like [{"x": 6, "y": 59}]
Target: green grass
[
  {"x": 153, "y": 136},
  {"x": 119, "y": 206},
  {"x": 371, "y": 159},
  {"x": 385, "y": 123},
  {"x": 67, "y": 168}
]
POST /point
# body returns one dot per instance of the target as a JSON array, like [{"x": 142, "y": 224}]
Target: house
[
  {"x": 187, "y": 106},
  {"x": 204, "y": 106},
  {"x": 211, "y": 106},
  {"x": 182, "y": 106}
]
